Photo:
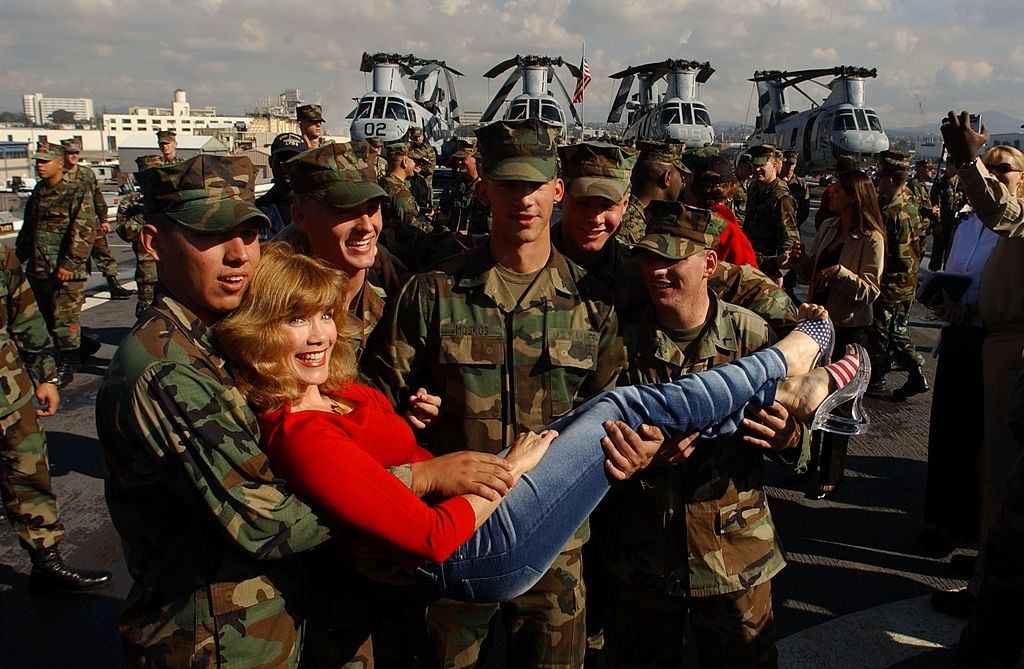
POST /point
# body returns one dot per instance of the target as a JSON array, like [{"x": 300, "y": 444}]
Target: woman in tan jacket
[{"x": 844, "y": 267}]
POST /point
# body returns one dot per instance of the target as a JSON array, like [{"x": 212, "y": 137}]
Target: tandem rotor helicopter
[
  {"x": 537, "y": 73},
  {"x": 678, "y": 114},
  {"x": 386, "y": 112},
  {"x": 839, "y": 125}
]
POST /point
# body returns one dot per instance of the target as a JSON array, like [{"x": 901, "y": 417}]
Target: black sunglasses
[{"x": 1002, "y": 168}]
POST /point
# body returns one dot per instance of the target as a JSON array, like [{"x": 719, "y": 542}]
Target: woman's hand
[
  {"x": 791, "y": 256},
  {"x": 951, "y": 312},
  {"x": 423, "y": 410},
  {"x": 823, "y": 278},
  {"x": 463, "y": 473},
  {"x": 528, "y": 449},
  {"x": 627, "y": 450}
]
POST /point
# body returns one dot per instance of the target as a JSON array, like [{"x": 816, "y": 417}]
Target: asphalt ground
[{"x": 854, "y": 593}]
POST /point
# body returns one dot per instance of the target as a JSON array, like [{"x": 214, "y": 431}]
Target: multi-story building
[
  {"x": 38, "y": 107},
  {"x": 181, "y": 117}
]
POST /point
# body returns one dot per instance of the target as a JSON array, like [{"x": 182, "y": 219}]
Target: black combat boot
[
  {"x": 90, "y": 346},
  {"x": 117, "y": 291},
  {"x": 66, "y": 366},
  {"x": 51, "y": 574},
  {"x": 916, "y": 384}
]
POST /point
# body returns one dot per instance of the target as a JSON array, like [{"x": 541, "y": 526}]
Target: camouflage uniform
[
  {"x": 59, "y": 229},
  {"x": 631, "y": 230},
  {"x": 209, "y": 532},
  {"x": 85, "y": 178},
  {"x": 739, "y": 201},
  {"x": 770, "y": 218},
  {"x": 461, "y": 211},
  {"x": 131, "y": 216},
  {"x": 24, "y": 358},
  {"x": 890, "y": 339},
  {"x": 946, "y": 192},
  {"x": 802, "y": 197},
  {"x": 504, "y": 365},
  {"x": 921, "y": 197},
  {"x": 402, "y": 205}
]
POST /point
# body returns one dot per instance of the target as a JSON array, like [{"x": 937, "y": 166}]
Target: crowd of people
[{"x": 350, "y": 427}]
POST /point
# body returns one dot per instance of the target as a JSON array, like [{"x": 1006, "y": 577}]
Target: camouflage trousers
[
  {"x": 995, "y": 633},
  {"x": 61, "y": 306},
  {"x": 889, "y": 338},
  {"x": 25, "y": 480},
  {"x": 545, "y": 628},
  {"x": 645, "y": 629},
  {"x": 101, "y": 256}
]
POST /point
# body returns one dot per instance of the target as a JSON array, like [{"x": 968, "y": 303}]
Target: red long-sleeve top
[
  {"x": 337, "y": 462},
  {"x": 733, "y": 246}
]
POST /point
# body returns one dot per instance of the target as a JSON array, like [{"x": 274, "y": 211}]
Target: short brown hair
[{"x": 285, "y": 284}]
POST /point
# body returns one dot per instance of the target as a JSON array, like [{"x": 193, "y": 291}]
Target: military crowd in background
[{"x": 542, "y": 275}]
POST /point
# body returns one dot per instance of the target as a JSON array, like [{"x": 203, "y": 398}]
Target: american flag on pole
[{"x": 582, "y": 82}]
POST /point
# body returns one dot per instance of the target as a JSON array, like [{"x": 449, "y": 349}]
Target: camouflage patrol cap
[
  {"x": 692, "y": 158},
  {"x": 663, "y": 152},
  {"x": 676, "y": 231},
  {"x": 762, "y": 153},
  {"x": 414, "y": 134},
  {"x": 334, "y": 175},
  {"x": 465, "y": 147},
  {"x": 397, "y": 149},
  {"x": 893, "y": 161},
  {"x": 145, "y": 162},
  {"x": 309, "y": 113},
  {"x": 287, "y": 143},
  {"x": 524, "y": 150},
  {"x": 165, "y": 136},
  {"x": 207, "y": 194},
  {"x": 374, "y": 142},
  {"x": 48, "y": 151},
  {"x": 71, "y": 145},
  {"x": 423, "y": 153},
  {"x": 789, "y": 156},
  {"x": 597, "y": 169}
]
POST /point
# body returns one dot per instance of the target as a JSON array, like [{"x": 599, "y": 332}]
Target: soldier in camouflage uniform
[
  {"x": 692, "y": 537},
  {"x": 375, "y": 157},
  {"x": 920, "y": 195},
  {"x": 797, "y": 186},
  {"x": 510, "y": 340},
  {"x": 53, "y": 245},
  {"x": 209, "y": 532},
  {"x": 100, "y": 253},
  {"x": 770, "y": 217},
  {"x": 744, "y": 170},
  {"x": 401, "y": 205},
  {"x": 276, "y": 203},
  {"x": 659, "y": 174},
  {"x": 889, "y": 338},
  {"x": 168, "y": 143},
  {"x": 131, "y": 216},
  {"x": 459, "y": 209},
  {"x": 420, "y": 182},
  {"x": 311, "y": 125},
  {"x": 947, "y": 193},
  {"x": 28, "y": 372}
]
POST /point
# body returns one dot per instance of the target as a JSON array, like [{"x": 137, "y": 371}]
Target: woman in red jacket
[{"x": 714, "y": 184}]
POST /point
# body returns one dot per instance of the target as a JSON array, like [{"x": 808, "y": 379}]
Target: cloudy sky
[{"x": 234, "y": 54}]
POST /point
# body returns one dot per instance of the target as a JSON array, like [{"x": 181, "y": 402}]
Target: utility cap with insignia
[
  {"x": 397, "y": 149},
  {"x": 207, "y": 194},
  {"x": 597, "y": 169},
  {"x": 423, "y": 153},
  {"x": 334, "y": 175},
  {"x": 145, "y": 162},
  {"x": 71, "y": 145},
  {"x": 519, "y": 150},
  {"x": 762, "y": 153},
  {"x": 287, "y": 143},
  {"x": 893, "y": 161},
  {"x": 464, "y": 148},
  {"x": 48, "y": 151},
  {"x": 789, "y": 156},
  {"x": 163, "y": 136},
  {"x": 676, "y": 231},
  {"x": 714, "y": 170},
  {"x": 309, "y": 113},
  {"x": 663, "y": 152}
]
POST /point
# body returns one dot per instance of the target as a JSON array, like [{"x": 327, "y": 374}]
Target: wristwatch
[{"x": 966, "y": 163}]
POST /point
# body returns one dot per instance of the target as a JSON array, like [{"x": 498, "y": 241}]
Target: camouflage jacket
[
  {"x": 402, "y": 205},
  {"x": 59, "y": 230},
  {"x": 702, "y": 527},
  {"x": 461, "y": 211},
  {"x": 86, "y": 178},
  {"x": 209, "y": 533},
  {"x": 899, "y": 281},
  {"x": 500, "y": 367},
  {"x": 770, "y": 223},
  {"x": 131, "y": 216},
  {"x": 24, "y": 339},
  {"x": 949, "y": 195},
  {"x": 802, "y": 197},
  {"x": 739, "y": 201},
  {"x": 921, "y": 196},
  {"x": 633, "y": 225}
]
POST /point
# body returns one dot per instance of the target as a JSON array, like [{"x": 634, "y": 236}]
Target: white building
[
  {"x": 38, "y": 107},
  {"x": 1014, "y": 139},
  {"x": 181, "y": 117}
]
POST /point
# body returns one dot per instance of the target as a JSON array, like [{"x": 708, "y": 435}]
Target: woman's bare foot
[
  {"x": 799, "y": 349},
  {"x": 803, "y": 394}
]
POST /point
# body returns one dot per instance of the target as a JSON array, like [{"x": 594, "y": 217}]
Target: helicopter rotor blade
[
  {"x": 499, "y": 98},
  {"x": 501, "y": 67},
  {"x": 705, "y": 73},
  {"x": 621, "y": 97},
  {"x": 573, "y": 70},
  {"x": 425, "y": 71},
  {"x": 572, "y": 107},
  {"x": 450, "y": 69},
  {"x": 453, "y": 100}
]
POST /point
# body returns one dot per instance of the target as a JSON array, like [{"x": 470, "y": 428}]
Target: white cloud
[
  {"x": 959, "y": 72},
  {"x": 900, "y": 41},
  {"x": 825, "y": 54}
]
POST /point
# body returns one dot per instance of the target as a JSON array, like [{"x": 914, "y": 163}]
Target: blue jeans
[{"x": 520, "y": 540}]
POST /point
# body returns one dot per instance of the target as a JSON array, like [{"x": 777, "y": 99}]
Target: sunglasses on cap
[{"x": 1002, "y": 168}]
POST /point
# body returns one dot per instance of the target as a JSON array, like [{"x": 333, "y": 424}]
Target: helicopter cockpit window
[
  {"x": 378, "y": 107},
  {"x": 517, "y": 111},
  {"x": 844, "y": 121},
  {"x": 687, "y": 114},
  {"x": 701, "y": 115},
  {"x": 670, "y": 115},
  {"x": 412, "y": 112},
  {"x": 396, "y": 110},
  {"x": 365, "y": 107},
  {"x": 862, "y": 121},
  {"x": 873, "y": 121},
  {"x": 549, "y": 112}
]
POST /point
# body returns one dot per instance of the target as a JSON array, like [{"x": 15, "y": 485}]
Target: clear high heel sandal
[{"x": 842, "y": 412}]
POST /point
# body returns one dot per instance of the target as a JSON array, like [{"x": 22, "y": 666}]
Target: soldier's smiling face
[
  {"x": 345, "y": 238},
  {"x": 769, "y": 171},
  {"x": 674, "y": 284},
  {"x": 520, "y": 210},
  {"x": 589, "y": 222}
]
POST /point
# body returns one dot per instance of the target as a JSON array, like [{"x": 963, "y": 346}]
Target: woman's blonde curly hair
[{"x": 285, "y": 284}]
